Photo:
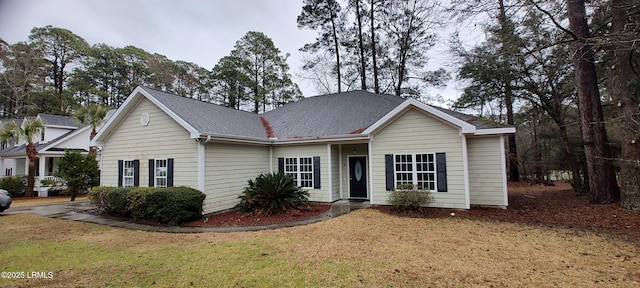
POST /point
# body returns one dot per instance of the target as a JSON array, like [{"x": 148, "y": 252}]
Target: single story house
[{"x": 352, "y": 145}]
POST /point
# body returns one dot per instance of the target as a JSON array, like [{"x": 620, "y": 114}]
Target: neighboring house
[
  {"x": 60, "y": 133},
  {"x": 352, "y": 145}
]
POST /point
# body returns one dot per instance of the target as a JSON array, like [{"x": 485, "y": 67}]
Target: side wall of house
[
  {"x": 162, "y": 138},
  {"x": 416, "y": 132},
  {"x": 228, "y": 167},
  {"x": 487, "y": 176},
  {"x": 316, "y": 195}
]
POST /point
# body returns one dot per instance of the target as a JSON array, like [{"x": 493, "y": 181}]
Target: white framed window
[
  {"x": 300, "y": 169},
  {"x": 416, "y": 169},
  {"x": 161, "y": 172},
  {"x": 128, "y": 171}
]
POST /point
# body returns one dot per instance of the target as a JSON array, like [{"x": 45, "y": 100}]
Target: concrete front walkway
[{"x": 66, "y": 211}]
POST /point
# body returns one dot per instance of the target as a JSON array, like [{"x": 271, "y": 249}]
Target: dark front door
[{"x": 358, "y": 177}]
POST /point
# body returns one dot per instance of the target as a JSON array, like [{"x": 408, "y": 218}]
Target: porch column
[
  {"x": 25, "y": 171},
  {"x": 340, "y": 169},
  {"x": 41, "y": 169},
  {"x": 329, "y": 174}
]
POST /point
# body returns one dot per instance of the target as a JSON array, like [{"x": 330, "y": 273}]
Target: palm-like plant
[
  {"x": 29, "y": 130},
  {"x": 273, "y": 193},
  {"x": 92, "y": 115}
]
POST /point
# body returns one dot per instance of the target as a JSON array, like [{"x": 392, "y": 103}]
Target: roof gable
[
  {"x": 197, "y": 117},
  {"x": 412, "y": 103}
]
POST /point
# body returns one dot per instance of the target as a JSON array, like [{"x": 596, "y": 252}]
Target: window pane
[
  {"x": 306, "y": 172},
  {"x": 127, "y": 173}
]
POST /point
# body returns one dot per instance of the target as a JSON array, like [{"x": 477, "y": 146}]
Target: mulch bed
[
  {"x": 237, "y": 218},
  {"x": 555, "y": 206}
]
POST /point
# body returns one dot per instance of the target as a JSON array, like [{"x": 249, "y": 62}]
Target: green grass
[{"x": 362, "y": 249}]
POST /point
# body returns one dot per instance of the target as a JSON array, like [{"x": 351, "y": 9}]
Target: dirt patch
[
  {"x": 555, "y": 206},
  {"x": 237, "y": 218}
]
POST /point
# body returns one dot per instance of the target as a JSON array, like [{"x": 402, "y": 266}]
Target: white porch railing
[{"x": 42, "y": 189}]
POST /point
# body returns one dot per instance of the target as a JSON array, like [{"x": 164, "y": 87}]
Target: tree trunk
[
  {"x": 363, "y": 66},
  {"x": 536, "y": 152},
  {"x": 506, "y": 35},
  {"x": 514, "y": 173},
  {"x": 376, "y": 85},
  {"x": 31, "y": 154},
  {"x": 603, "y": 187},
  {"x": 576, "y": 179},
  {"x": 628, "y": 109},
  {"x": 93, "y": 152},
  {"x": 337, "y": 47}
]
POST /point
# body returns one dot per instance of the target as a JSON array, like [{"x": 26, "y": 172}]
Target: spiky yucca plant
[{"x": 273, "y": 193}]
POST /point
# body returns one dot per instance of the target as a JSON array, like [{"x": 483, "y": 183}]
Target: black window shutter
[
  {"x": 152, "y": 173},
  {"x": 120, "y": 167},
  {"x": 388, "y": 171},
  {"x": 136, "y": 173},
  {"x": 281, "y": 165},
  {"x": 441, "y": 170},
  {"x": 316, "y": 172},
  {"x": 170, "y": 172}
]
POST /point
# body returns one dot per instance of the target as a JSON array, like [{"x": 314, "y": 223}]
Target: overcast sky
[{"x": 196, "y": 31}]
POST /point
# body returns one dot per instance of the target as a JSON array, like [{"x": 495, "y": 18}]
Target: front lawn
[
  {"x": 366, "y": 248},
  {"x": 32, "y": 201}
]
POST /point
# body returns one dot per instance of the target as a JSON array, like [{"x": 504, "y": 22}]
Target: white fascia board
[
  {"x": 67, "y": 137},
  {"x": 117, "y": 116},
  {"x": 495, "y": 131},
  {"x": 60, "y": 126},
  {"x": 465, "y": 127},
  {"x": 129, "y": 104}
]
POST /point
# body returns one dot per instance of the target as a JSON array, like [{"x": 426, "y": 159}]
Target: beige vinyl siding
[
  {"x": 228, "y": 167},
  {"x": 417, "y": 132},
  {"x": 316, "y": 195},
  {"x": 335, "y": 171},
  {"x": 486, "y": 185},
  {"x": 162, "y": 138}
]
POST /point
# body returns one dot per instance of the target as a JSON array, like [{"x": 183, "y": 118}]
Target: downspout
[
  {"x": 202, "y": 162},
  {"x": 271, "y": 158}
]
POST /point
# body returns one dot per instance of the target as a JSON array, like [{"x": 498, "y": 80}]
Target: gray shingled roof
[
  {"x": 58, "y": 120},
  {"x": 210, "y": 118},
  {"x": 324, "y": 115},
  {"x": 332, "y": 114},
  {"x": 21, "y": 149}
]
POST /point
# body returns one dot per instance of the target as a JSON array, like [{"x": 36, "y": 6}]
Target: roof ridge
[{"x": 196, "y": 100}]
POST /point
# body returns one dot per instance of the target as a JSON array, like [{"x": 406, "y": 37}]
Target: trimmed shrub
[
  {"x": 409, "y": 198},
  {"x": 117, "y": 201},
  {"x": 137, "y": 199},
  {"x": 16, "y": 185},
  {"x": 172, "y": 205},
  {"x": 98, "y": 196},
  {"x": 272, "y": 193},
  {"x": 175, "y": 205}
]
